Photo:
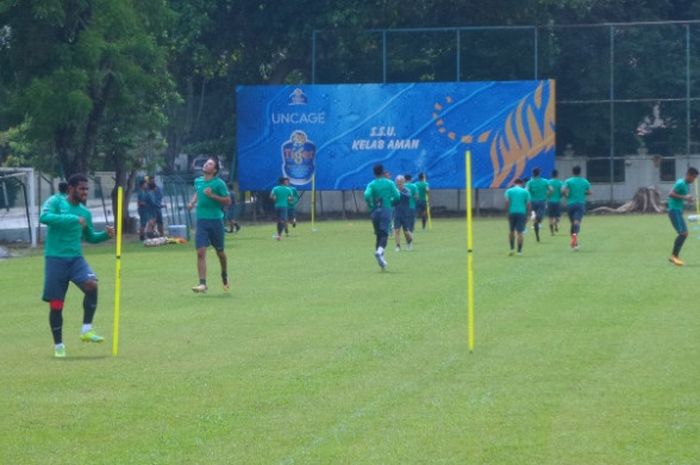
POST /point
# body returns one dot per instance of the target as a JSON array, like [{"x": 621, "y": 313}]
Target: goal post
[{"x": 19, "y": 211}]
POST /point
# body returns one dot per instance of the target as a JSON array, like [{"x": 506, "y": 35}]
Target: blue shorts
[
  {"x": 291, "y": 212},
  {"x": 58, "y": 272},
  {"x": 381, "y": 220},
  {"x": 405, "y": 220},
  {"x": 538, "y": 206},
  {"x": 421, "y": 207},
  {"x": 516, "y": 222},
  {"x": 677, "y": 221},
  {"x": 281, "y": 214},
  {"x": 554, "y": 209},
  {"x": 576, "y": 212},
  {"x": 209, "y": 232}
]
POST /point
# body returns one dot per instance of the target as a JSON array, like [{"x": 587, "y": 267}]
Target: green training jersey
[
  {"x": 381, "y": 192},
  {"x": 207, "y": 208},
  {"x": 414, "y": 194},
  {"x": 555, "y": 193},
  {"x": 681, "y": 188},
  {"x": 577, "y": 186},
  {"x": 518, "y": 198},
  {"x": 295, "y": 197},
  {"x": 64, "y": 230},
  {"x": 537, "y": 187},
  {"x": 281, "y": 196},
  {"x": 423, "y": 189}
]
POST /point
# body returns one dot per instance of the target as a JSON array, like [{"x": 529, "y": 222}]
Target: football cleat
[
  {"x": 199, "y": 289},
  {"x": 91, "y": 336}
]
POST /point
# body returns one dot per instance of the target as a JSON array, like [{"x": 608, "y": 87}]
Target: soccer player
[
  {"x": 554, "y": 202},
  {"x": 518, "y": 207},
  {"x": 676, "y": 201},
  {"x": 404, "y": 215},
  {"x": 413, "y": 189},
  {"x": 210, "y": 197},
  {"x": 380, "y": 195},
  {"x": 291, "y": 211},
  {"x": 283, "y": 196},
  {"x": 422, "y": 202},
  {"x": 537, "y": 187},
  {"x": 143, "y": 203},
  {"x": 576, "y": 189},
  {"x": 68, "y": 220},
  {"x": 232, "y": 211}
]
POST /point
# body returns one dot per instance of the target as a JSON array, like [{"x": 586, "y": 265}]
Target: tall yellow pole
[
  {"x": 118, "y": 270},
  {"x": 313, "y": 202},
  {"x": 697, "y": 198},
  {"x": 470, "y": 252},
  {"x": 427, "y": 206}
]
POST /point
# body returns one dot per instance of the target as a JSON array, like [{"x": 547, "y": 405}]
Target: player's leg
[
  {"x": 681, "y": 228},
  {"x": 56, "y": 279},
  {"x": 201, "y": 242},
  {"x": 216, "y": 238},
  {"x": 520, "y": 225},
  {"x": 511, "y": 233}
]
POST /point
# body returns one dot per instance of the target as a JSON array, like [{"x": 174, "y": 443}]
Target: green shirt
[
  {"x": 555, "y": 194},
  {"x": 281, "y": 196},
  {"x": 64, "y": 230},
  {"x": 518, "y": 198},
  {"x": 414, "y": 194},
  {"x": 423, "y": 189},
  {"x": 681, "y": 188},
  {"x": 577, "y": 187},
  {"x": 207, "y": 208},
  {"x": 381, "y": 192},
  {"x": 537, "y": 187},
  {"x": 295, "y": 197}
]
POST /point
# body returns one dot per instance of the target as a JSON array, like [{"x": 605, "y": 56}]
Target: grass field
[{"x": 317, "y": 357}]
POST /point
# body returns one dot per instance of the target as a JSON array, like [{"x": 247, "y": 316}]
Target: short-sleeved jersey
[
  {"x": 281, "y": 196},
  {"x": 518, "y": 198},
  {"x": 577, "y": 186},
  {"x": 423, "y": 189},
  {"x": 381, "y": 193},
  {"x": 681, "y": 188},
  {"x": 207, "y": 208},
  {"x": 64, "y": 230},
  {"x": 413, "y": 196},
  {"x": 295, "y": 196},
  {"x": 555, "y": 185},
  {"x": 537, "y": 187}
]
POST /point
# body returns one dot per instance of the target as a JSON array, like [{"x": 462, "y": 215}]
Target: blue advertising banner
[{"x": 338, "y": 132}]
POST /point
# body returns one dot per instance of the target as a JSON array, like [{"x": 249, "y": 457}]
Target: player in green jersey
[
  {"x": 677, "y": 197},
  {"x": 380, "y": 196},
  {"x": 518, "y": 207},
  {"x": 283, "y": 197},
  {"x": 292, "y": 209},
  {"x": 422, "y": 202},
  {"x": 68, "y": 221},
  {"x": 554, "y": 202},
  {"x": 211, "y": 198},
  {"x": 537, "y": 187},
  {"x": 576, "y": 189}
]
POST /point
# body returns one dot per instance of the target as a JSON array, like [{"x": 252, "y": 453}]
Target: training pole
[
  {"x": 118, "y": 270},
  {"x": 697, "y": 197},
  {"x": 470, "y": 250},
  {"x": 427, "y": 206},
  {"x": 313, "y": 202}
]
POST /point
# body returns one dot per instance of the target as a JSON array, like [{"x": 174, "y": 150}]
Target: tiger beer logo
[
  {"x": 298, "y": 158},
  {"x": 527, "y": 132}
]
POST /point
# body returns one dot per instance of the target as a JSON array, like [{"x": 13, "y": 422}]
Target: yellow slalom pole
[
  {"x": 118, "y": 270},
  {"x": 313, "y": 202},
  {"x": 697, "y": 198},
  {"x": 427, "y": 206},
  {"x": 470, "y": 250}
]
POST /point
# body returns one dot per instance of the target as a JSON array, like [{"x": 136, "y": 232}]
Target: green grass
[{"x": 316, "y": 357}]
